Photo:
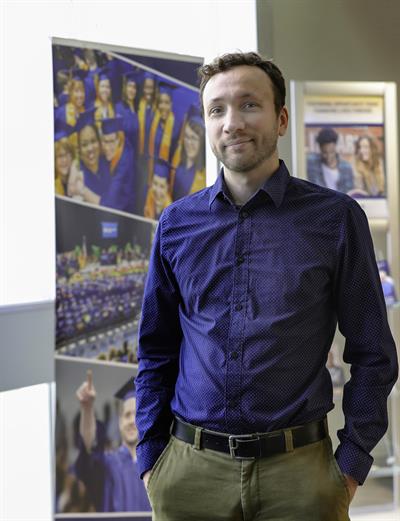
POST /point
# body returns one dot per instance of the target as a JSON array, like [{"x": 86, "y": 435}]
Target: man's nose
[{"x": 233, "y": 121}]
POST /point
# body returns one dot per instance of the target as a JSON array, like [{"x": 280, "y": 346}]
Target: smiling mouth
[{"x": 237, "y": 143}]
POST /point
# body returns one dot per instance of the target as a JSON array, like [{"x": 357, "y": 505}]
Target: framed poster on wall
[
  {"x": 340, "y": 137},
  {"x": 128, "y": 141}
]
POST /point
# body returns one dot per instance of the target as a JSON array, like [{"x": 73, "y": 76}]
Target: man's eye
[
  {"x": 250, "y": 104},
  {"x": 215, "y": 111}
]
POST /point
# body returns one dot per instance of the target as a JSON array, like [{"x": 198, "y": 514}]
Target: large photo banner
[
  {"x": 344, "y": 147},
  {"x": 129, "y": 140}
]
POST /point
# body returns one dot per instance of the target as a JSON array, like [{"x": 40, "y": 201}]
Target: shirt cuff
[
  {"x": 148, "y": 452},
  {"x": 353, "y": 461}
]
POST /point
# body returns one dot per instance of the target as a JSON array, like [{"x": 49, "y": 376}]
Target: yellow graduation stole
[
  {"x": 165, "y": 140},
  {"x": 59, "y": 187},
  {"x": 70, "y": 113},
  {"x": 118, "y": 153},
  {"x": 150, "y": 206},
  {"x": 142, "y": 124},
  {"x": 199, "y": 181},
  {"x": 98, "y": 115},
  {"x": 166, "y": 137}
]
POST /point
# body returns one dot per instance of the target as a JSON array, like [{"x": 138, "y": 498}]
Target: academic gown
[
  {"x": 120, "y": 194},
  {"x": 99, "y": 182},
  {"x": 187, "y": 181},
  {"x": 111, "y": 478},
  {"x": 131, "y": 123},
  {"x": 158, "y": 139}
]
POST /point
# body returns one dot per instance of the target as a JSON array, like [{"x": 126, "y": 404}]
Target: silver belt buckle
[{"x": 235, "y": 440}]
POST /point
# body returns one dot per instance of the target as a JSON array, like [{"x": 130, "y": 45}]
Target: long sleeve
[
  {"x": 160, "y": 337},
  {"x": 369, "y": 348}
]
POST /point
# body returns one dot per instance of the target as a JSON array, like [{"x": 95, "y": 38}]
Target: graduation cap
[
  {"x": 78, "y": 52},
  {"x": 132, "y": 76},
  {"x": 104, "y": 73},
  {"x": 111, "y": 125},
  {"x": 79, "y": 74},
  {"x": 166, "y": 88},
  {"x": 126, "y": 391},
  {"x": 148, "y": 75},
  {"x": 162, "y": 168},
  {"x": 86, "y": 118},
  {"x": 194, "y": 114},
  {"x": 63, "y": 130}
]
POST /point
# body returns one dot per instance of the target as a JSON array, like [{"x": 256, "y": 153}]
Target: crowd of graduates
[
  {"x": 97, "y": 291},
  {"x": 125, "y": 138}
]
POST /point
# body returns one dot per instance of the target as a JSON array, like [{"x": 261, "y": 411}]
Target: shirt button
[
  {"x": 234, "y": 355},
  {"x": 232, "y": 403},
  {"x": 243, "y": 215},
  {"x": 240, "y": 260},
  {"x": 238, "y": 307}
]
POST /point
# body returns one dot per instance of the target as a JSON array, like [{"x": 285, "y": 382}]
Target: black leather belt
[{"x": 252, "y": 446}]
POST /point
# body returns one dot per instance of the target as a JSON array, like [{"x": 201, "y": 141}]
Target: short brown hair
[{"x": 231, "y": 60}]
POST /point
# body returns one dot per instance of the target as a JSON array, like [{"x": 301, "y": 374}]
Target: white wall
[
  {"x": 192, "y": 27},
  {"x": 27, "y": 246}
]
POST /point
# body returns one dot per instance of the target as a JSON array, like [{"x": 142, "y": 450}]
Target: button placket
[{"x": 238, "y": 316}]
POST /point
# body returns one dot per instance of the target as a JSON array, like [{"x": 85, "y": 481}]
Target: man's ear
[{"x": 283, "y": 121}]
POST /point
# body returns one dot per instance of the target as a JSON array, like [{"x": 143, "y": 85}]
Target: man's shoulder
[
  {"x": 317, "y": 193},
  {"x": 186, "y": 205}
]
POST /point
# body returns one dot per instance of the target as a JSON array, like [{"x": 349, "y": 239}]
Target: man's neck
[{"x": 243, "y": 185}]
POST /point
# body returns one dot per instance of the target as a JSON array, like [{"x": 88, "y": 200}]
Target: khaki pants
[{"x": 187, "y": 484}]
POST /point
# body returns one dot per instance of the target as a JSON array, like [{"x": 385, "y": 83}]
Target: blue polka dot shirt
[{"x": 240, "y": 308}]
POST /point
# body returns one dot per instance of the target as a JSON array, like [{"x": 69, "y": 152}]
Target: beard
[{"x": 250, "y": 159}]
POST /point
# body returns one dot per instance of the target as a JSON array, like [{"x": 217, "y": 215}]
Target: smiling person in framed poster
[
  {"x": 247, "y": 281},
  {"x": 327, "y": 168},
  {"x": 368, "y": 166},
  {"x": 110, "y": 476}
]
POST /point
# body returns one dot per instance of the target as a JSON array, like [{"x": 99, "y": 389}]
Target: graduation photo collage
[{"x": 129, "y": 139}]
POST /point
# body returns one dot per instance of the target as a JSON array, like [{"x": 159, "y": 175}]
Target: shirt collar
[{"x": 274, "y": 186}]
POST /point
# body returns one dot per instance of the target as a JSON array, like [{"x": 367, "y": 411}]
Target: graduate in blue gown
[
  {"x": 69, "y": 112},
  {"x": 146, "y": 109},
  {"x": 104, "y": 99},
  {"x": 120, "y": 156},
  {"x": 158, "y": 196},
  {"x": 94, "y": 167},
  {"x": 127, "y": 108},
  {"x": 190, "y": 175},
  {"x": 111, "y": 477},
  {"x": 164, "y": 130}
]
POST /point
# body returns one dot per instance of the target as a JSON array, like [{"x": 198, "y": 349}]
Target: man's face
[
  {"x": 160, "y": 189},
  {"x": 329, "y": 154},
  {"x": 110, "y": 144},
  {"x": 127, "y": 425},
  {"x": 241, "y": 121}
]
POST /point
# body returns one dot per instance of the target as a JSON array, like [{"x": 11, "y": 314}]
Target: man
[
  {"x": 247, "y": 281},
  {"x": 120, "y": 156},
  {"x": 158, "y": 196},
  {"x": 110, "y": 476},
  {"x": 327, "y": 168}
]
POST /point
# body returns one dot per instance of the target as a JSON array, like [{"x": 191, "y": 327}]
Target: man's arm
[
  {"x": 160, "y": 337},
  {"x": 86, "y": 395},
  {"x": 369, "y": 348}
]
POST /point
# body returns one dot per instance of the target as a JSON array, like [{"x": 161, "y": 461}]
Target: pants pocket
[
  {"x": 156, "y": 468},
  {"x": 338, "y": 473}
]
